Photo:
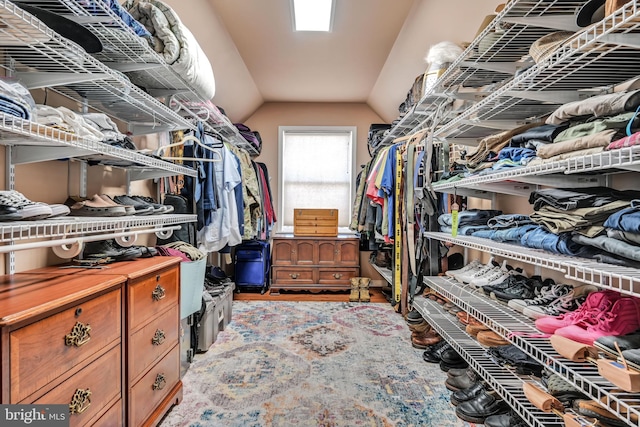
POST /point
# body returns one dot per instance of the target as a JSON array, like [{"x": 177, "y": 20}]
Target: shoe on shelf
[
  {"x": 95, "y": 206},
  {"x": 621, "y": 319},
  {"x": 433, "y": 353},
  {"x": 544, "y": 296},
  {"x": 478, "y": 409},
  {"x": 521, "y": 289},
  {"x": 158, "y": 209},
  {"x": 594, "y": 305},
  {"x": 423, "y": 340},
  {"x": 561, "y": 305},
  {"x": 591, "y": 409},
  {"x": 130, "y": 210},
  {"x": 478, "y": 272},
  {"x": 474, "y": 327},
  {"x": 462, "y": 381},
  {"x": 490, "y": 339},
  {"x": 510, "y": 419},
  {"x": 471, "y": 266},
  {"x": 468, "y": 393},
  {"x": 414, "y": 316},
  {"x": 25, "y": 208},
  {"x": 625, "y": 342},
  {"x": 141, "y": 208},
  {"x": 9, "y": 213},
  {"x": 457, "y": 372},
  {"x": 109, "y": 249}
]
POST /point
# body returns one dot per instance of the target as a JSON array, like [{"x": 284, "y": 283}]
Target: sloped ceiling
[{"x": 373, "y": 54}]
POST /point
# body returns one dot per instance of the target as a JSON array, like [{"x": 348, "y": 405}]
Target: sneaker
[
  {"x": 623, "y": 318},
  {"x": 130, "y": 210},
  {"x": 471, "y": 266},
  {"x": 595, "y": 304},
  {"x": 141, "y": 208},
  {"x": 484, "y": 269},
  {"x": 491, "y": 276},
  {"x": 109, "y": 249},
  {"x": 562, "y": 305},
  {"x": 545, "y": 295},
  {"x": 158, "y": 208},
  {"x": 25, "y": 208}
]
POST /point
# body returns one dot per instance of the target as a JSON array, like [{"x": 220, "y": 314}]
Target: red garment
[
  {"x": 627, "y": 141},
  {"x": 268, "y": 207}
]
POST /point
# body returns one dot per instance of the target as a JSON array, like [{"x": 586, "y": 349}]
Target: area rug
[{"x": 320, "y": 364}]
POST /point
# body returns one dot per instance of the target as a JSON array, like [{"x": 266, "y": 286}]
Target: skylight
[{"x": 312, "y": 15}]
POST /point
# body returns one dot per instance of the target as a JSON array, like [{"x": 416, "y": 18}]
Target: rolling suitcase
[{"x": 252, "y": 262}]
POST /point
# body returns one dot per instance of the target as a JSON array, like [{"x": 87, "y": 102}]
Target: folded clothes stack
[
  {"x": 470, "y": 221},
  {"x": 15, "y": 100}
]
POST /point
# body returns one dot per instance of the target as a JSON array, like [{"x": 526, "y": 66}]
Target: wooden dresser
[
  {"x": 314, "y": 263},
  {"x": 152, "y": 336},
  {"x": 146, "y": 333},
  {"x": 61, "y": 342}
]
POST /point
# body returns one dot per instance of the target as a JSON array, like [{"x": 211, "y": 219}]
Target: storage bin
[
  {"x": 207, "y": 333},
  {"x": 191, "y": 286}
]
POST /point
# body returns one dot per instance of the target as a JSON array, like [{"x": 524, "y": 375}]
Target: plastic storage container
[{"x": 191, "y": 286}]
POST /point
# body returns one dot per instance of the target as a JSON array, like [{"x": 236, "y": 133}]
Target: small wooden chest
[{"x": 315, "y": 222}]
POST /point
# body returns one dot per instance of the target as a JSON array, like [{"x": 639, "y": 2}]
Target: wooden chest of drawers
[
  {"x": 61, "y": 341},
  {"x": 315, "y": 264}
]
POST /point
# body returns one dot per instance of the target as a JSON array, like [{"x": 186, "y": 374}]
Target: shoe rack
[
  {"x": 41, "y": 58},
  {"x": 526, "y": 91}
]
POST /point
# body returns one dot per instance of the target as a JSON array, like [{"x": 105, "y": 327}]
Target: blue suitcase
[{"x": 252, "y": 263}]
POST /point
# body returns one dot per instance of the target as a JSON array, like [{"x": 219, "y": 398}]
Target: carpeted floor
[{"x": 321, "y": 364}]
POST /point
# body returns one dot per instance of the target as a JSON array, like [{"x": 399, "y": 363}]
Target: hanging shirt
[
  {"x": 216, "y": 235},
  {"x": 387, "y": 185}
]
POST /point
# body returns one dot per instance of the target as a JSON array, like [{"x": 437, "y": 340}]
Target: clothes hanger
[{"x": 197, "y": 141}]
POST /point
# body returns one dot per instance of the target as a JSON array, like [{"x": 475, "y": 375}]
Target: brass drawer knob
[
  {"x": 158, "y": 293},
  {"x": 293, "y": 275},
  {"x": 337, "y": 275},
  {"x": 80, "y": 401},
  {"x": 79, "y": 335},
  {"x": 158, "y": 337},
  {"x": 160, "y": 382}
]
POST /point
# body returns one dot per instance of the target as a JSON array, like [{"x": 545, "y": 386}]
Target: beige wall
[{"x": 271, "y": 115}]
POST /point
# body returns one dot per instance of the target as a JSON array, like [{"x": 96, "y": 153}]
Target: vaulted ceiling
[{"x": 373, "y": 54}]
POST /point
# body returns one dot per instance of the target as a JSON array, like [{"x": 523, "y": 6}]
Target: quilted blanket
[{"x": 177, "y": 45}]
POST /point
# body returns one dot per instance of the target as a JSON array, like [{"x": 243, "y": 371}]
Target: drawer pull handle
[
  {"x": 158, "y": 338},
  {"x": 293, "y": 276},
  {"x": 80, "y": 401},
  {"x": 337, "y": 275},
  {"x": 158, "y": 293},
  {"x": 160, "y": 382},
  {"x": 80, "y": 335}
]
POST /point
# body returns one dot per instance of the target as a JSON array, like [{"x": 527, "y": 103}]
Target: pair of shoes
[
  {"x": 98, "y": 205},
  {"x": 478, "y": 409},
  {"x": 489, "y": 338},
  {"x": 158, "y": 208},
  {"x": 360, "y": 289},
  {"x": 433, "y": 353},
  {"x": 109, "y": 250},
  {"x": 469, "y": 393},
  {"x": 516, "y": 287},
  {"x": 474, "y": 327},
  {"x": 450, "y": 359},
  {"x": 422, "y": 340},
  {"x": 592, "y": 409},
  {"x": 15, "y": 206},
  {"x": 603, "y": 313},
  {"x": 554, "y": 301},
  {"x": 461, "y": 382},
  {"x": 510, "y": 419}
]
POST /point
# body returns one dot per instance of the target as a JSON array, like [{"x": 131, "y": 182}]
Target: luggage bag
[{"x": 252, "y": 263}]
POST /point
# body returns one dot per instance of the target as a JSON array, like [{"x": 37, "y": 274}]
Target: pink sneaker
[
  {"x": 621, "y": 319},
  {"x": 595, "y": 304}
]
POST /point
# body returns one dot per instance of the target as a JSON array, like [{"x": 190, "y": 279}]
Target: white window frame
[{"x": 352, "y": 130}]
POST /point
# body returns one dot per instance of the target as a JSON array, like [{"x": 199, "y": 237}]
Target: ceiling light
[{"x": 312, "y": 15}]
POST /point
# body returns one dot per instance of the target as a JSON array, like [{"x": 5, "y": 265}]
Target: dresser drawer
[
  {"x": 148, "y": 344},
  {"x": 152, "y": 295},
  {"x": 293, "y": 275},
  {"x": 114, "y": 417},
  {"x": 46, "y": 349},
  {"x": 147, "y": 393},
  {"x": 336, "y": 276},
  {"x": 101, "y": 378}
]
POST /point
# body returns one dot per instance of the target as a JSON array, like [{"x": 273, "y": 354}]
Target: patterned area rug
[{"x": 285, "y": 364}]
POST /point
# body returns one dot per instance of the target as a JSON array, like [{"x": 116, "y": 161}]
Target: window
[{"x": 316, "y": 171}]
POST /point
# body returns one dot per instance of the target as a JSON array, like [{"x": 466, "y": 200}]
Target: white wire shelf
[
  {"x": 33, "y": 142},
  {"x": 125, "y": 51},
  {"x": 561, "y": 173},
  {"x": 506, "y": 383},
  {"x": 625, "y": 280},
  {"x": 585, "y": 62},
  {"x": 384, "y": 272},
  {"x": 495, "y": 55},
  {"x": 534, "y": 257},
  {"x": 41, "y": 58},
  {"x": 517, "y": 329},
  {"x": 70, "y": 227}
]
